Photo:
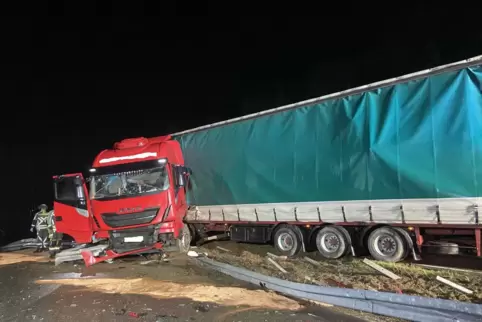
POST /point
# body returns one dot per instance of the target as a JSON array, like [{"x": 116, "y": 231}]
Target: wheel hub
[
  {"x": 330, "y": 243},
  {"x": 386, "y": 245},
  {"x": 285, "y": 242},
  {"x": 185, "y": 239}
]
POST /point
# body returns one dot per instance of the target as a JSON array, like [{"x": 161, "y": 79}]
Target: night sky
[{"x": 79, "y": 79}]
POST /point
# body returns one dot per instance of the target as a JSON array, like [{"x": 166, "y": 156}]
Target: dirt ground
[
  {"x": 33, "y": 289},
  {"x": 353, "y": 273}
]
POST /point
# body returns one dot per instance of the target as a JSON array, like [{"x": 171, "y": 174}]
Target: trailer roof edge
[{"x": 353, "y": 91}]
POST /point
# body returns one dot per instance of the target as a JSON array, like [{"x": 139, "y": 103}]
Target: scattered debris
[
  {"x": 309, "y": 279},
  {"x": 223, "y": 249},
  {"x": 149, "y": 262},
  {"x": 192, "y": 253},
  {"x": 382, "y": 270},
  {"x": 277, "y": 257},
  {"x": 278, "y": 266},
  {"x": 136, "y": 315},
  {"x": 202, "y": 307},
  {"x": 165, "y": 317},
  {"x": 435, "y": 267},
  {"x": 334, "y": 282},
  {"x": 74, "y": 254},
  {"x": 454, "y": 285},
  {"x": 121, "y": 312},
  {"x": 311, "y": 261}
]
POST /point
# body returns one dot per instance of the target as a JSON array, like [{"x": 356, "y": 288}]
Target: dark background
[{"x": 76, "y": 79}]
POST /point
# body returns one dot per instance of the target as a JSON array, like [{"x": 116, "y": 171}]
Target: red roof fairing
[{"x": 140, "y": 149}]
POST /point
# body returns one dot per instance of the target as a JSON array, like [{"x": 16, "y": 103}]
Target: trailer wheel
[
  {"x": 387, "y": 244},
  {"x": 332, "y": 242},
  {"x": 184, "y": 240},
  {"x": 408, "y": 240},
  {"x": 287, "y": 241}
]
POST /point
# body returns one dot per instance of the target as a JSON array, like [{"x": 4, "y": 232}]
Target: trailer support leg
[
  {"x": 215, "y": 237},
  {"x": 419, "y": 239},
  {"x": 478, "y": 242}
]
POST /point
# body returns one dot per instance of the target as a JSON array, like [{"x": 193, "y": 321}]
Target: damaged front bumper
[{"x": 122, "y": 242}]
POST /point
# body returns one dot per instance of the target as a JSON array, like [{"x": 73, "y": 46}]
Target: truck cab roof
[{"x": 140, "y": 149}]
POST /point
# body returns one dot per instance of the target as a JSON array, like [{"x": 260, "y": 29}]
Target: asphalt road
[{"x": 33, "y": 289}]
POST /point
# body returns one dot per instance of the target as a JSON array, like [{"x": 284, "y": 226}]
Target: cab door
[{"x": 72, "y": 207}]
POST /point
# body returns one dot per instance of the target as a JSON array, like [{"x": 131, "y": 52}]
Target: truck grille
[
  {"x": 138, "y": 218},
  {"x": 120, "y": 245}
]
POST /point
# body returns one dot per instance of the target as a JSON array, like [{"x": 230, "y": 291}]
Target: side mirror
[{"x": 180, "y": 176}]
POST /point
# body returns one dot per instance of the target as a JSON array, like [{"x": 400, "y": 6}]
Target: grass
[{"x": 353, "y": 273}]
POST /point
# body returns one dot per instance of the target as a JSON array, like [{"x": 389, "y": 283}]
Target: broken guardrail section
[{"x": 408, "y": 307}]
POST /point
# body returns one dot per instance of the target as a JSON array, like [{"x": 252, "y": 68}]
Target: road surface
[{"x": 33, "y": 289}]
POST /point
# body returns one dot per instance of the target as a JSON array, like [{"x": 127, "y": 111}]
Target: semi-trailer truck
[{"x": 386, "y": 168}]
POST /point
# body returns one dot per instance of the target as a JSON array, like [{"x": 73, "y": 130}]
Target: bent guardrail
[{"x": 408, "y": 307}]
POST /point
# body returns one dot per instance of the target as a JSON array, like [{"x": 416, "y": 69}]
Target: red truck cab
[{"x": 134, "y": 198}]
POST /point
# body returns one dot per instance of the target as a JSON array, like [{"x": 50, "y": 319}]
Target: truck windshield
[{"x": 128, "y": 184}]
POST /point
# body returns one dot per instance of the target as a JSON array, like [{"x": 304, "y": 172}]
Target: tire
[
  {"x": 408, "y": 240},
  {"x": 287, "y": 241},
  {"x": 184, "y": 240},
  {"x": 387, "y": 244},
  {"x": 332, "y": 242}
]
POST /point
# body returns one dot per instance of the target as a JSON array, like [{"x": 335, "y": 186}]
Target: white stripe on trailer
[
  {"x": 130, "y": 157},
  {"x": 357, "y": 90},
  {"x": 454, "y": 211}
]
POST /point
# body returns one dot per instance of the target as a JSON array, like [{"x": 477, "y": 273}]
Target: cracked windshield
[{"x": 129, "y": 183}]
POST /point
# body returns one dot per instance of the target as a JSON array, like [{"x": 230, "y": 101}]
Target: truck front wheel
[
  {"x": 287, "y": 241},
  {"x": 184, "y": 240},
  {"x": 387, "y": 244}
]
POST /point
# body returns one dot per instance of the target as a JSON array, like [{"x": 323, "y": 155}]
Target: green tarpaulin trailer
[{"x": 401, "y": 156}]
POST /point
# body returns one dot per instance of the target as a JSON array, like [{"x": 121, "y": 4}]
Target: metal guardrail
[
  {"x": 20, "y": 244},
  {"x": 27, "y": 243},
  {"x": 408, "y": 307}
]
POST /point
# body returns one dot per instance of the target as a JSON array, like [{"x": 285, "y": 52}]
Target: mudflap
[{"x": 90, "y": 259}]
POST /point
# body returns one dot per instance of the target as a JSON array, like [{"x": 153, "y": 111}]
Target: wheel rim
[
  {"x": 285, "y": 242},
  {"x": 385, "y": 245},
  {"x": 185, "y": 239},
  {"x": 330, "y": 242}
]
